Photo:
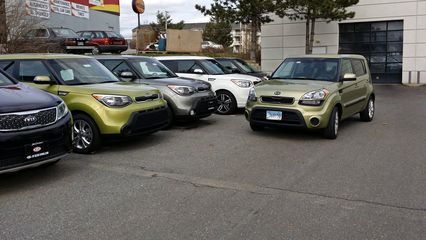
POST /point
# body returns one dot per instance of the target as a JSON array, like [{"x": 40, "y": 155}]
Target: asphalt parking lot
[{"x": 216, "y": 179}]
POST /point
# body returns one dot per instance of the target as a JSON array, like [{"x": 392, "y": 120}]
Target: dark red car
[{"x": 105, "y": 41}]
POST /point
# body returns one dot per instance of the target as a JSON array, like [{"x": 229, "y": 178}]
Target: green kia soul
[
  {"x": 314, "y": 92},
  {"x": 100, "y": 104}
]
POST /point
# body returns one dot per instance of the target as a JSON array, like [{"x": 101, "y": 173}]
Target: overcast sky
[{"x": 178, "y": 9}]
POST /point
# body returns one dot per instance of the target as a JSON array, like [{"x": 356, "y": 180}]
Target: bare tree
[{"x": 15, "y": 24}]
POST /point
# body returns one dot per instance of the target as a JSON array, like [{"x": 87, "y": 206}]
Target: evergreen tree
[
  {"x": 218, "y": 32},
  {"x": 313, "y": 10},
  {"x": 251, "y": 12},
  {"x": 162, "y": 19}
]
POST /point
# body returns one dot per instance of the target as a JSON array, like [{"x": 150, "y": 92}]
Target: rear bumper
[
  {"x": 145, "y": 122},
  {"x": 113, "y": 48},
  {"x": 13, "y": 145},
  {"x": 88, "y": 48}
]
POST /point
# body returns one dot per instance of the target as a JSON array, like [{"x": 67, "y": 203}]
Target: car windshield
[
  {"x": 82, "y": 71},
  {"x": 152, "y": 69},
  {"x": 213, "y": 67},
  {"x": 64, "y": 32},
  {"x": 5, "y": 81},
  {"x": 113, "y": 35},
  {"x": 245, "y": 66},
  {"x": 321, "y": 69}
]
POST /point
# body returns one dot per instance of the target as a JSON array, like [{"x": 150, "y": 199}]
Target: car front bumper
[
  {"x": 13, "y": 145},
  {"x": 147, "y": 121},
  {"x": 198, "y": 105},
  {"x": 293, "y": 115}
]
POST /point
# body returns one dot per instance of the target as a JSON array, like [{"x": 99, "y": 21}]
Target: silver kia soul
[{"x": 187, "y": 98}]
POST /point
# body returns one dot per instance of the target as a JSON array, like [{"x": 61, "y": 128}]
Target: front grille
[
  {"x": 27, "y": 120},
  {"x": 206, "y": 105},
  {"x": 147, "y": 98},
  {"x": 289, "y": 117},
  {"x": 277, "y": 100},
  {"x": 147, "y": 120}
]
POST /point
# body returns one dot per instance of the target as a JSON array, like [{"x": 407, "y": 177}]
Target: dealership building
[
  {"x": 391, "y": 34},
  {"x": 76, "y": 14}
]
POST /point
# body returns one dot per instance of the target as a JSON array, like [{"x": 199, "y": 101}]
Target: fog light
[
  {"x": 192, "y": 113},
  {"x": 315, "y": 122}
]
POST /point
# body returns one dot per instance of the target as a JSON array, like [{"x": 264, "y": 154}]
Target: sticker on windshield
[
  {"x": 67, "y": 75},
  {"x": 87, "y": 65}
]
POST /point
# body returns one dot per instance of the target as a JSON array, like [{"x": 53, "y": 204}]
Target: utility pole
[{"x": 167, "y": 17}]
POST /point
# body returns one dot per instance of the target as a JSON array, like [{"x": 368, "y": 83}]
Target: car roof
[
  {"x": 227, "y": 58},
  {"x": 339, "y": 56},
  {"x": 121, "y": 57},
  {"x": 30, "y": 56},
  {"x": 183, "y": 58}
]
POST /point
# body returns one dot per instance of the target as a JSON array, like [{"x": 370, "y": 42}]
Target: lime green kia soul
[
  {"x": 101, "y": 105},
  {"x": 314, "y": 92}
]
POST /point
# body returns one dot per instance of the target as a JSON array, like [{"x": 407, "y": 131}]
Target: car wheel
[
  {"x": 171, "y": 118},
  {"x": 96, "y": 51},
  {"x": 87, "y": 138},
  {"x": 333, "y": 125},
  {"x": 227, "y": 102},
  {"x": 256, "y": 127},
  {"x": 367, "y": 114}
]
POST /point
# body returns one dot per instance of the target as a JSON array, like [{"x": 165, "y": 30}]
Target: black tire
[
  {"x": 256, "y": 127},
  {"x": 87, "y": 138},
  {"x": 367, "y": 114},
  {"x": 331, "y": 131},
  {"x": 171, "y": 118},
  {"x": 227, "y": 102}
]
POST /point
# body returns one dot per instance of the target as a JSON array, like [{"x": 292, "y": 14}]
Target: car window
[
  {"x": 117, "y": 66},
  {"x": 182, "y": 66},
  {"x": 87, "y": 35},
  {"x": 99, "y": 35},
  {"x": 321, "y": 69},
  {"x": 113, "y": 35},
  {"x": 28, "y": 70},
  {"x": 64, "y": 32},
  {"x": 213, "y": 67},
  {"x": 7, "y": 66},
  {"x": 358, "y": 67},
  {"x": 228, "y": 64},
  {"x": 5, "y": 81},
  {"x": 346, "y": 67},
  {"x": 40, "y": 33},
  {"x": 152, "y": 69},
  {"x": 172, "y": 65},
  {"x": 244, "y": 65}
]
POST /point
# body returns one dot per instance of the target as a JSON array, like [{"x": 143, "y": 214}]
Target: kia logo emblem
[
  {"x": 277, "y": 93},
  {"x": 37, "y": 149},
  {"x": 30, "y": 119}
]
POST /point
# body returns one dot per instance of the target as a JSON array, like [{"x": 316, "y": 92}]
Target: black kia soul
[{"x": 35, "y": 127}]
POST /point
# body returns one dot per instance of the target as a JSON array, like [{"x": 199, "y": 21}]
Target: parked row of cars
[
  {"x": 65, "y": 40},
  {"x": 133, "y": 95}
]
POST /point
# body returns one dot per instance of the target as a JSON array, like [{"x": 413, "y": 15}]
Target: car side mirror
[
  {"x": 127, "y": 75},
  {"x": 198, "y": 71},
  {"x": 43, "y": 80},
  {"x": 349, "y": 77}
]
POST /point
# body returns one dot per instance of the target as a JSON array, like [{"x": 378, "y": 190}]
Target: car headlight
[
  {"x": 242, "y": 83},
  {"x": 61, "y": 111},
  {"x": 314, "y": 98},
  {"x": 113, "y": 100},
  {"x": 252, "y": 95},
  {"x": 182, "y": 90}
]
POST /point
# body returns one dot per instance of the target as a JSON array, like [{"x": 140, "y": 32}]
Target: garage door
[{"x": 380, "y": 42}]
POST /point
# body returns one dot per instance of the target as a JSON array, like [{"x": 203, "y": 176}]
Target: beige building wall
[{"x": 283, "y": 38}]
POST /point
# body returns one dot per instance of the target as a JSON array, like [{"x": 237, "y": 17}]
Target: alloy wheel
[
  {"x": 83, "y": 134},
  {"x": 371, "y": 108},
  {"x": 225, "y": 102},
  {"x": 336, "y": 123}
]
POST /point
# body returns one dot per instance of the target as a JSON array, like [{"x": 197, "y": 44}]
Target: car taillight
[
  {"x": 105, "y": 41},
  {"x": 70, "y": 41}
]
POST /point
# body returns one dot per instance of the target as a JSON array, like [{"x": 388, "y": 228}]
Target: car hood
[
  {"x": 19, "y": 98},
  {"x": 177, "y": 81},
  {"x": 292, "y": 88},
  {"x": 117, "y": 88},
  {"x": 239, "y": 77}
]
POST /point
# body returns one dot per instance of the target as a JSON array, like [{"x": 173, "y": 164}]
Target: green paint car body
[
  {"x": 101, "y": 104},
  {"x": 314, "y": 92}
]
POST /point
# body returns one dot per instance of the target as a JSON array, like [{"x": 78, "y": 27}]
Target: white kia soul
[{"x": 232, "y": 90}]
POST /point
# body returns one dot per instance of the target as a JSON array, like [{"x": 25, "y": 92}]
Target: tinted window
[
  {"x": 308, "y": 69},
  {"x": 4, "y": 81},
  {"x": 64, "y": 32},
  {"x": 358, "y": 67},
  {"x": 87, "y": 35},
  {"x": 7, "y": 66},
  {"x": 244, "y": 65},
  {"x": 28, "y": 70},
  {"x": 117, "y": 66},
  {"x": 228, "y": 64},
  {"x": 98, "y": 35},
  {"x": 172, "y": 65},
  {"x": 113, "y": 35},
  {"x": 213, "y": 67},
  {"x": 185, "y": 66}
]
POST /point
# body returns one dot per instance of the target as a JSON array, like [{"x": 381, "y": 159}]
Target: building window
[{"x": 380, "y": 42}]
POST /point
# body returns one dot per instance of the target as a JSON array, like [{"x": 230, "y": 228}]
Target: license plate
[
  {"x": 80, "y": 43},
  {"x": 36, "y": 150},
  {"x": 274, "y": 115}
]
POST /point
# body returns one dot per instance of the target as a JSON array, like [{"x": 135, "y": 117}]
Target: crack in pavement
[{"x": 241, "y": 187}]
